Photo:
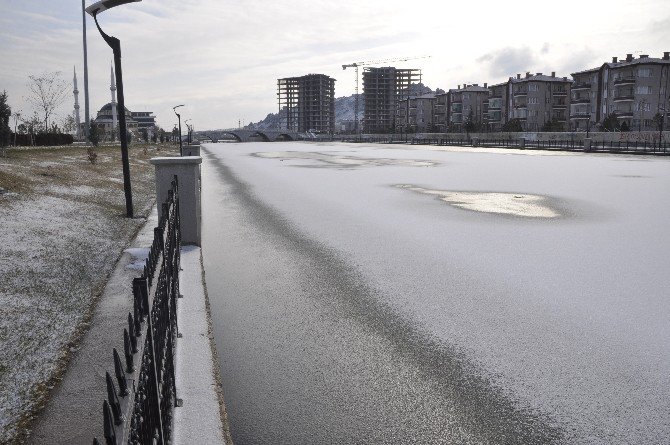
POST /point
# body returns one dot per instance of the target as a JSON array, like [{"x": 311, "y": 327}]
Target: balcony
[
  {"x": 627, "y": 80},
  {"x": 559, "y": 93},
  {"x": 581, "y": 86},
  {"x": 580, "y": 116},
  {"x": 457, "y": 101},
  {"x": 624, "y": 97},
  {"x": 496, "y": 96},
  {"x": 581, "y": 100},
  {"x": 520, "y": 93},
  {"x": 560, "y": 106},
  {"x": 623, "y": 114}
]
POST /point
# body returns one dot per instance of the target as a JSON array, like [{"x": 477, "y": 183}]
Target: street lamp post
[
  {"x": 190, "y": 129},
  {"x": 181, "y": 150},
  {"x": 115, "y": 44}
]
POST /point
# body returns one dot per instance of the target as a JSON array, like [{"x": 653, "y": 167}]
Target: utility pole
[{"x": 86, "y": 110}]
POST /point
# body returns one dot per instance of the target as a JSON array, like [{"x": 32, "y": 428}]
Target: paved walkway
[{"x": 73, "y": 415}]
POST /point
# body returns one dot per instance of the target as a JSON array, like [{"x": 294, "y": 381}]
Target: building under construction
[
  {"x": 382, "y": 89},
  {"x": 307, "y": 103}
]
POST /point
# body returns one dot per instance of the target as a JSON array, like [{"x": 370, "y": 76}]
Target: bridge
[{"x": 249, "y": 135}]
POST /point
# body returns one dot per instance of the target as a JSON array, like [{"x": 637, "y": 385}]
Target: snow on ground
[{"x": 63, "y": 228}]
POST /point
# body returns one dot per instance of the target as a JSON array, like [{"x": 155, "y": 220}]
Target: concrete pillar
[
  {"x": 192, "y": 150},
  {"x": 187, "y": 170},
  {"x": 522, "y": 143},
  {"x": 587, "y": 144}
]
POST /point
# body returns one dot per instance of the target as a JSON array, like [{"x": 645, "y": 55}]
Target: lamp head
[{"x": 104, "y": 5}]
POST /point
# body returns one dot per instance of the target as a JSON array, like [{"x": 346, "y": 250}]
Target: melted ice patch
[{"x": 514, "y": 204}]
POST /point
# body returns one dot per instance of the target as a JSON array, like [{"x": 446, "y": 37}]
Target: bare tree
[
  {"x": 69, "y": 125},
  {"x": 47, "y": 92}
]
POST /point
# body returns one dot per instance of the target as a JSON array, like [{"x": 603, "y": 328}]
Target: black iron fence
[
  {"x": 629, "y": 147},
  {"x": 139, "y": 408}
]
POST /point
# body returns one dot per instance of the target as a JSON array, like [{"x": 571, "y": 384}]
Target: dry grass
[{"x": 63, "y": 227}]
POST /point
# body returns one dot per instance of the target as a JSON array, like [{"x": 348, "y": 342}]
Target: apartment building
[
  {"x": 383, "y": 88},
  {"x": 633, "y": 90},
  {"x": 307, "y": 103},
  {"x": 416, "y": 114},
  {"x": 538, "y": 100},
  {"x": 471, "y": 101}
]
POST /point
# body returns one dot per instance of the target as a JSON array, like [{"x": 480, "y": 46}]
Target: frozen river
[{"x": 406, "y": 294}]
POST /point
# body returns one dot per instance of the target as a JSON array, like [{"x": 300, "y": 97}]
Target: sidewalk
[{"x": 73, "y": 414}]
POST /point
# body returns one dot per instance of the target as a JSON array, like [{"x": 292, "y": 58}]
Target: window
[
  {"x": 532, "y": 100},
  {"x": 644, "y": 90},
  {"x": 644, "y": 72},
  {"x": 533, "y": 87},
  {"x": 643, "y": 106}
]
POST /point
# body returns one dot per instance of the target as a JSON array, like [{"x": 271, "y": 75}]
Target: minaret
[
  {"x": 112, "y": 88},
  {"x": 76, "y": 105}
]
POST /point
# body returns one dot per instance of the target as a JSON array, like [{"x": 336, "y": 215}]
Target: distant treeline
[{"x": 42, "y": 139}]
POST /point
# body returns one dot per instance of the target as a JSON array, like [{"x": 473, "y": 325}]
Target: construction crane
[{"x": 371, "y": 62}]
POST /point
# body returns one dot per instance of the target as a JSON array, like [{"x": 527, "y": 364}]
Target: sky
[{"x": 222, "y": 58}]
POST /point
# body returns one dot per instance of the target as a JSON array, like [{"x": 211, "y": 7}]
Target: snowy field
[{"x": 63, "y": 228}]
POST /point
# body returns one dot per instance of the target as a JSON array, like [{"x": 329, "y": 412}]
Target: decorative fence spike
[
  {"x": 113, "y": 400},
  {"x": 128, "y": 352},
  {"x": 110, "y": 434},
  {"x": 131, "y": 331},
  {"x": 120, "y": 375}
]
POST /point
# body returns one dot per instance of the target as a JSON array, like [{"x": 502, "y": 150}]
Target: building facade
[
  {"x": 307, "y": 103},
  {"x": 383, "y": 89},
  {"x": 416, "y": 114},
  {"x": 539, "y": 102},
  {"x": 467, "y": 104},
  {"x": 497, "y": 106},
  {"x": 634, "y": 92}
]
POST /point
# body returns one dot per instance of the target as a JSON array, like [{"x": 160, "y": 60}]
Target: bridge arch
[
  {"x": 284, "y": 137},
  {"x": 262, "y": 135},
  {"x": 237, "y": 137}
]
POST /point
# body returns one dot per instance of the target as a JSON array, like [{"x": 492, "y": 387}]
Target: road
[{"x": 405, "y": 294}]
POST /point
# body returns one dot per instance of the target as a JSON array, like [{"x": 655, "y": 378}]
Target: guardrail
[
  {"x": 628, "y": 147},
  {"x": 141, "y": 409}
]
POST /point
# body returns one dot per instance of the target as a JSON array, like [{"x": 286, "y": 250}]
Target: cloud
[{"x": 507, "y": 61}]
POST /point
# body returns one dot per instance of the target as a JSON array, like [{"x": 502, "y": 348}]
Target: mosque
[{"x": 107, "y": 118}]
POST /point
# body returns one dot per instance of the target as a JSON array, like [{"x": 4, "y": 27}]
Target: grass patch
[{"x": 63, "y": 229}]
